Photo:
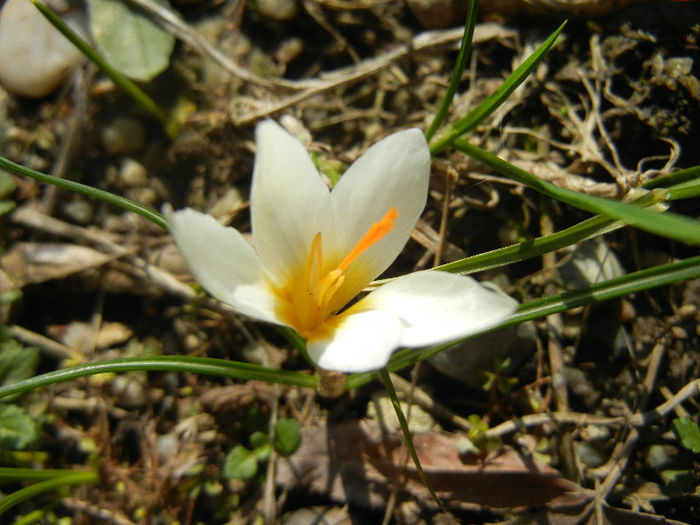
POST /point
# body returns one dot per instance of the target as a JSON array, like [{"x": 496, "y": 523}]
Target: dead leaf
[
  {"x": 352, "y": 462},
  {"x": 83, "y": 338},
  {"x": 32, "y": 263}
]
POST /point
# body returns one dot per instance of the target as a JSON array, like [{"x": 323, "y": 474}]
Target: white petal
[
  {"x": 289, "y": 200},
  {"x": 394, "y": 172},
  {"x": 361, "y": 342},
  {"x": 436, "y": 307},
  {"x": 223, "y": 262}
]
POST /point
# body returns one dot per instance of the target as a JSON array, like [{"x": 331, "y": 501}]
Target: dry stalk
[
  {"x": 345, "y": 76},
  {"x": 638, "y": 420}
]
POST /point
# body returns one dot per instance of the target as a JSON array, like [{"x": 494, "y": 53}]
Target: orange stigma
[
  {"x": 307, "y": 300},
  {"x": 374, "y": 234}
]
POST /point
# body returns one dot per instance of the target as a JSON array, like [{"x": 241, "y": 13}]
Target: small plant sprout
[{"x": 317, "y": 249}]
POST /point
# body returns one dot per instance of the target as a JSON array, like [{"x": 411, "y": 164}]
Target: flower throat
[{"x": 307, "y": 298}]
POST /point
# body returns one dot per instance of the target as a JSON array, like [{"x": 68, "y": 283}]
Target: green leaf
[
  {"x": 456, "y": 77},
  {"x": 258, "y": 439},
  {"x": 117, "y": 76},
  {"x": 666, "y": 224},
  {"x": 129, "y": 40},
  {"x": 17, "y": 429},
  {"x": 391, "y": 391},
  {"x": 16, "y": 361},
  {"x": 7, "y": 184},
  {"x": 33, "y": 491},
  {"x": 287, "y": 435},
  {"x": 240, "y": 463},
  {"x": 488, "y": 106},
  {"x": 6, "y": 206},
  {"x": 89, "y": 191},
  {"x": 687, "y": 432},
  {"x": 166, "y": 363},
  {"x": 10, "y": 296}
]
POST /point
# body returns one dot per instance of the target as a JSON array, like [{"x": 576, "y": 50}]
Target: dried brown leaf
[
  {"x": 352, "y": 462},
  {"x": 32, "y": 263}
]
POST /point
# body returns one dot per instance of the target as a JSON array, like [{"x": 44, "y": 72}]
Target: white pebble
[
  {"x": 132, "y": 173},
  {"x": 35, "y": 58}
]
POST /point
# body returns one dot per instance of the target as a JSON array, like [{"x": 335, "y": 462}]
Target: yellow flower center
[{"x": 306, "y": 300}]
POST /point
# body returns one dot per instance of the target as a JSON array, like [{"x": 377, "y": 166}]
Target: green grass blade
[
  {"x": 666, "y": 224},
  {"x": 620, "y": 286},
  {"x": 165, "y": 363},
  {"x": 464, "y": 51},
  {"x": 34, "y": 516},
  {"x": 118, "y": 78},
  {"x": 588, "y": 229},
  {"x": 488, "y": 106},
  {"x": 84, "y": 189},
  {"x": 74, "y": 478},
  {"x": 27, "y": 474},
  {"x": 580, "y": 232},
  {"x": 407, "y": 434},
  {"x": 671, "y": 179},
  {"x": 685, "y": 190},
  {"x": 681, "y": 184}
]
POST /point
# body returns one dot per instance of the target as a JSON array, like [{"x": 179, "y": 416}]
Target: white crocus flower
[{"x": 316, "y": 249}]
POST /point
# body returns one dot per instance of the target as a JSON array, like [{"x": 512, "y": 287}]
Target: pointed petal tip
[{"x": 223, "y": 262}]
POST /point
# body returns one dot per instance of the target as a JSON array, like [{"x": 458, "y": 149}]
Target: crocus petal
[
  {"x": 289, "y": 201},
  {"x": 223, "y": 262},
  {"x": 359, "y": 342},
  {"x": 394, "y": 172},
  {"x": 435, "y": 307}
]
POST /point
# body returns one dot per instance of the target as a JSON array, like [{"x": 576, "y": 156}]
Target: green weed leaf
[
  {"x": 240, "y": 463},
  {"x": 17, "y": 362},
  {"x": 17, "y": 428},
  {"x": 287, "y": 436},
  {"x": 7, "y": 184},
  {"x": 687, "y": 432},
  {"x": 261, "y": 446},
  {"x": 129, "y": 40}
]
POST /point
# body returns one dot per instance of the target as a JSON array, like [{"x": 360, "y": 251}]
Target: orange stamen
[{"x": 376, "y": 232}]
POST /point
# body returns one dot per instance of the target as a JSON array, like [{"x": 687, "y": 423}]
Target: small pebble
[
  {"x": 278, "y": 9},
  {"x": 588, "y": 455},
  {"x": 679, "y": 333},
  {"x": 687, "y": 310},
  {"x": 123, "y": 135},
  {"x": 79, "y": 211},
  {"x": 133, "y": 174},
  {"x": 434, "y": 14},
  {"x": 166, "y": 446},
  {"x": 658, "y": 457},
  {"x": 130, "y": 392},
  {"x": 147, "y": 196}
]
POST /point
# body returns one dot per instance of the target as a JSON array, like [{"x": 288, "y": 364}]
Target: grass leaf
[
  {"x": 666, "y": 224},
  {"x": 456, "y": 77},
  {"x": 166, "y": 363},
  {"x": 488, "y": 106},
  {"x": 84, "y": 189}
]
